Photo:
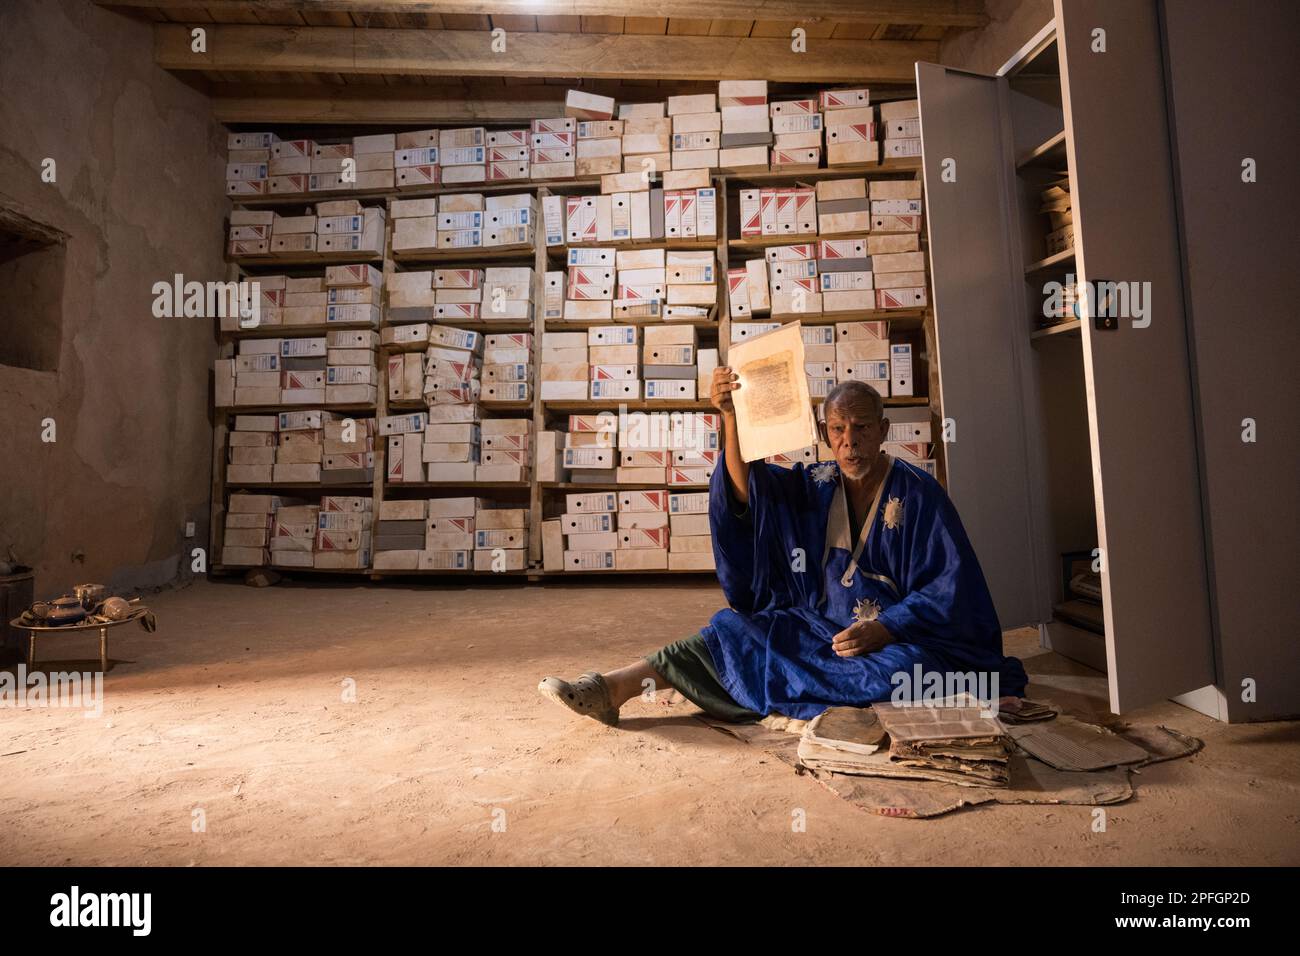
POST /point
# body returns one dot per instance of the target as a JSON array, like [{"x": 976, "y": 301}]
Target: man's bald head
[{"x": 857, "y": 399}]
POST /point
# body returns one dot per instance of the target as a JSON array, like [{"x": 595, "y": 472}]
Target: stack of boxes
[
  {"x": 778, "y": 211},
  {"x": 500, "y": 538},
  {"x": 335, "y": 227},
  {"x": 294, "y": 235},
  {"x": 299, "y": 371},
  {"x": 606, "y": 363},
  {"x": 462, "y": 155},
  {"x": 349, "y": 451},
  {"x": 565, "y": 370},
  {"x": 250, "y": 453},
  {"x": 290, "y": 167},
  {"x": 746, "y": 125},
  {"x": 507, "y": 367},
  {"x": 910, "y": 437},
  {"x": 745, "y": 141},
  {"x": 554, "y": 150},
  {"x": 248, "y": 163},
  {"x": 628, "y": 209},
  {"x": 344, "y": 533},
  {"x": 589, "y": 455},
  {"x": 300, "y": 446},
  {"x": 399, "y": 535},
  {"x": 350, "y": 371},
  {"x": 1057, "y": 205},
  {"x": 449, "y": 534},
  {"x": 373, "y": 166},
  {"x": 894, "y": 244},
  {"x": 250, "y": 233},
  {"x": 797, "y": 127},
  {"x": 651, "y": 530},
  {"x": 246, "y": 530},
  {"x": 464, "y": 221},
  {"x": 346, "y": 226},
  {"x": 695, "y": 129},
  {"x": 415, "y": 159},
  {"x": 647, "y": 138},
  {"x": 850, "y": 127},
  {"x": 507, "y": 155},
  {"x": 352, "y": 295},
  {"x": 294, "y": 529},
  {"x": 669, "y": 356},
  {"x": 333, "y": 167},
  {"x": 303, "y": 365},
  {"x": 599, "y": 147},
  {"x": 862, "y": 354},
  {"x": 462, "y": 294},
  {"x": 404, "y": 461},
  {"x": 795, "y": 289},
  {"x": 901, "y": 122},
  {"x": 252, "y": 377},
  {"x": 446, "y": 437},
  {"x": 631, "y": 285},
  {"x": 589, "y": 536},
  {"x": 842, "y": 207},
  {"x": 819, "y": 356},
  {"x": 690, "y": 540},
  {"x": 507, "y": 448}
]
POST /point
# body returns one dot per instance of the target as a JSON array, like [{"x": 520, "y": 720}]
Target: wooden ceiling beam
[
  {"x": 321, "y": 105},
  {"x": 237, "y": 48},
  {"x": 945, "y": 13}
]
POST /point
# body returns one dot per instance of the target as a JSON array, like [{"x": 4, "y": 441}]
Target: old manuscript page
[{"x": 773, "y": 410}]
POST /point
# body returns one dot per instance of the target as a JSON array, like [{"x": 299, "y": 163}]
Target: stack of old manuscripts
[{"x": 951, "y": 743}]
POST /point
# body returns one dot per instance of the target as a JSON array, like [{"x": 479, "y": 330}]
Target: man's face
[{"x": 854, "y": 438}]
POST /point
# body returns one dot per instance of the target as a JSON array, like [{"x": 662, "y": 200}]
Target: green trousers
[{"x": 688, "y": 666}]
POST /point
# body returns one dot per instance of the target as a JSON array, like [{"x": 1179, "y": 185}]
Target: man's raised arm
[{"x": 724, "y": 383}]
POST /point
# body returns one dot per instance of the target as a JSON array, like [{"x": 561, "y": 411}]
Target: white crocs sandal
[{"x": 587, "y": 696}]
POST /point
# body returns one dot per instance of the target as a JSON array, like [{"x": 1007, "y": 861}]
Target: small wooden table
[{"x": 34, "y": 629}]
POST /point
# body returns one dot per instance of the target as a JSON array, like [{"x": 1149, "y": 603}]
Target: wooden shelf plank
[
  {"x": 497, "y": 485},
  {"x": 473, "y": 325},
  {"x": 1073, "y": 327},
  {"x": 314, "y": 406},
  {"x": 911, "y": 164},
  {"x": 589, "y": 406},
  {"x": 616, "y": 486},
  {"x": 1058, "y": 262},
  {"x": 1047, "y": 154},
  {"x": 578, "y": 325},
  {"x": 288, "y": 331},
  {"x": 520, "y": 251},
  {"x": 903, "y": 318},
  {"x": 301, "y": 485},
  {"x": 307, "y": 259},
  {"x": 671, "y": 245}
]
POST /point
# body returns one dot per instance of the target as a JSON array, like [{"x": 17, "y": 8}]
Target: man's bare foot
[{"x": 587, "y": 696}]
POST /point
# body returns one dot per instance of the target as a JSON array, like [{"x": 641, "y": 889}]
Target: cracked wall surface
[{"x": 138, "y": 191}]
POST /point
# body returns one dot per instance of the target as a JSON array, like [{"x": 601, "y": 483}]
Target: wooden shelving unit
[{"x": 539, "y": 495}]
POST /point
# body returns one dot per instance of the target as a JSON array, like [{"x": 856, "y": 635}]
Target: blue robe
[{"x": 912, "y": 568}]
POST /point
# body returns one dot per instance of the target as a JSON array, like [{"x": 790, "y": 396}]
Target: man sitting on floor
[{"x": 840, "y": 575}]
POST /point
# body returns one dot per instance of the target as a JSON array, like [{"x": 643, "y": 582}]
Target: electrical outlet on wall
[{"x": 189, "y": 529}]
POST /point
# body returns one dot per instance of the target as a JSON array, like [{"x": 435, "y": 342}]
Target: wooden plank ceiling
[{"x": 399, "y": 61}]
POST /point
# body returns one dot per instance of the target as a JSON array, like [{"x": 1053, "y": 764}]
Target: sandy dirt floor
[{"x": 235, "y": 708}]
